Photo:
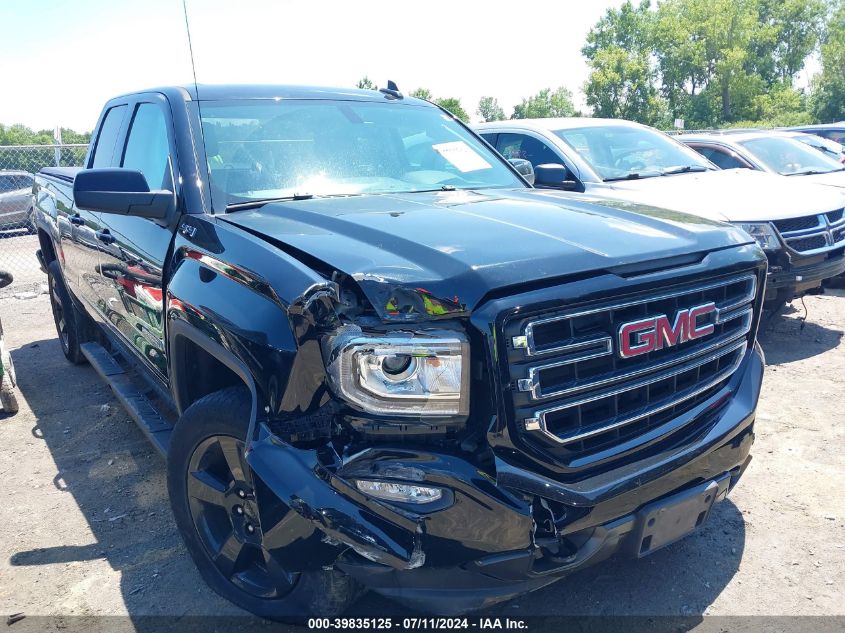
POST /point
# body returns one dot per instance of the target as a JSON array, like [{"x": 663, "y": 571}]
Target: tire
[
  {"x": 207, "y": 439},
  {"x": 8, "y": 400},
  {"x": 71, "y": 325}
]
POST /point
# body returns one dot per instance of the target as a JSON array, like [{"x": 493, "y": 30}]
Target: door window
[
  {"x": 147, "y": 146},
  {"x": 720, "y": 157},
  {"x": 527, "y": 147},
  {"x": 107, "y": 138}
]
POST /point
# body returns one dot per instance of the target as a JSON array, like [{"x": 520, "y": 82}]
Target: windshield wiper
[
  {"x": 813, "y": 172},
  {"x": 634, "y": 175},
  {"x": 260, "y": 202},
  {"x": 683, "y": 169}
]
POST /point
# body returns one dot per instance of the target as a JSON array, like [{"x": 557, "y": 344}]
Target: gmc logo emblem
[{"x": 653, "y": 333}]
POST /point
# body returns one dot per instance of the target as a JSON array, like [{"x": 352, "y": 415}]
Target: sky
[{"x": 60, "y": 61}]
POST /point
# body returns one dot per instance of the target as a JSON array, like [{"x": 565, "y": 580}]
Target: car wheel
[
  {"x": 212, "y": 494},
  {"x": 70, "y": 324}
]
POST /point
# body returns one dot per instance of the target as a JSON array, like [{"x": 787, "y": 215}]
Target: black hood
[{"x": 445, "y": 251}]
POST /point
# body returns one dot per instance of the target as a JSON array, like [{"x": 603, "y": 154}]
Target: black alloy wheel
[{"x": 226, "y": 517}]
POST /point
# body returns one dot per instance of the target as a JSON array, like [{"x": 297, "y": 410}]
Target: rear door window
[
  {"x": 148, "y": 147},
  {"x": 107, "y": 138}
]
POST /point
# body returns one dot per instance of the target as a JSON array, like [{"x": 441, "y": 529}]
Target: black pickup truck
[{"x": 376, "y": 358}]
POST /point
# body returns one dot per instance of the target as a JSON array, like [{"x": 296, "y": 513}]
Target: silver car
[{"x": 16, "y": 200}]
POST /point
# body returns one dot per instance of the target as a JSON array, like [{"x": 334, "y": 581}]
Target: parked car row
[
  {"x": 16, "y": 200},
  {"x": 798, "y": 221}
]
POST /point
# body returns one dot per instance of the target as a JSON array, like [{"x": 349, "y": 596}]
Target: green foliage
[
  {"x": 21, "y": 135},
  {"x": 546, "y": 104},
  {"x": 714, "y": 62},
  {"x": 365, "y": 83},
  {"x": 422, "y": 93},
  {"x": 453, "y": 105},
  {"x": 828, "y": 96},
  {"x": 490, "y": 110},
  {"x": 621, "y": 87}
]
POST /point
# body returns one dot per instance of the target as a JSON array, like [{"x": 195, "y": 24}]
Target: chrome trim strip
[
  {"x": 531, "y": 349},
  {"x": 534, "y": 378},
  {"x": 538, "y": 422}
]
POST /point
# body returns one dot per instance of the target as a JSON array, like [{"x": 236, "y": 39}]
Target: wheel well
[
  {"x": 199, "y": 373},
  {"x": 47, "y": 249}
]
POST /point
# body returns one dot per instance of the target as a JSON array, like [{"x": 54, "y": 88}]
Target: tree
[
  {"x": 21, "y": 135},
  {"x": 627, "y": 27},
  {"x": 490, "y": 110},
  {"x": 422, "y": 93},
  {"x": 620, "y": 86},
  {"x": 365, "y": 83},
  {"x": 453, "y": 105},
  {"x": 545, "y": 104},
  {"x": 787, "y": 33},
  {"x": 828, "y": 96}
]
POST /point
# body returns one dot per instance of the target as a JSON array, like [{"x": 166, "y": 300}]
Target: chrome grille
[
  {"x": 813, "y": 233},
  {"x": 573, "y": 391}
]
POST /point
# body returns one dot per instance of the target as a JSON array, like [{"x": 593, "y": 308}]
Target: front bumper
[
  {"x": 797, "y": 278},
  {"x": 480, "y": 544}
]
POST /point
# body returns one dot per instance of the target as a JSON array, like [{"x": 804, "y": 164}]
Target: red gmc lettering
[{"x": 654, "y": 333}]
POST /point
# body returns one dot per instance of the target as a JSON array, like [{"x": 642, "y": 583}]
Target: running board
[{"x": 137, "y": 405}]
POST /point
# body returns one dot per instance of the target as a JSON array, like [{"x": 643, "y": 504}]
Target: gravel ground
[{"x": 85, "y": 526}]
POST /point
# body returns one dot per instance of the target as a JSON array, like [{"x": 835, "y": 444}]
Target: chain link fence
[{"x": 18, "y": 242}]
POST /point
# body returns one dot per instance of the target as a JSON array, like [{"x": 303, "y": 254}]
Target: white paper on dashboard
[{"x": 461, "y": 155}]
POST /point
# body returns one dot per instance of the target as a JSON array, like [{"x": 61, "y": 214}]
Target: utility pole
[{"x": 57, "y": 141}]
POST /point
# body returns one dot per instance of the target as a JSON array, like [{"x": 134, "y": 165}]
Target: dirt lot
[{"x": 85, "y": 526}]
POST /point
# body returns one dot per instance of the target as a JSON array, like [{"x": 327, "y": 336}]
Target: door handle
[
  {"x": 105, "y": 236},
  {"x": 77, "y": 220}
]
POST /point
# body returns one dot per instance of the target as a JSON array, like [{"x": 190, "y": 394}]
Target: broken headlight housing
[{"x": 420, "y": 374}]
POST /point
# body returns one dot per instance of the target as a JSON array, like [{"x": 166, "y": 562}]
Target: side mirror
[
  {"x": 554, "y": 176},
  {"x": 524, "y": 167},
  {"x": 120, "y": 191}
]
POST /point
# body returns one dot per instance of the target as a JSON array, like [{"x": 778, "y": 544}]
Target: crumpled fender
[{"x": 304, "y": 482}]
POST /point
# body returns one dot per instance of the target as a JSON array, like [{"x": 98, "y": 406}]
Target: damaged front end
[{"x": 385, "y": 468}]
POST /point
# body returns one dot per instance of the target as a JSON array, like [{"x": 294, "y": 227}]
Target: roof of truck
[{"x": 223, "y": 92}]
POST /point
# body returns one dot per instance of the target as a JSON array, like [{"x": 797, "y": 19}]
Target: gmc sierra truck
[{"x": 375, "y": 358}]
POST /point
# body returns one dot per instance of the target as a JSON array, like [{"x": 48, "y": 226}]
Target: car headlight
[
  {"x": 762, "y": 233},
  {"x": 401, "y": 374}
]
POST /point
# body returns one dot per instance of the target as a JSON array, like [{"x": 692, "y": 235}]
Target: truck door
[
  {"x": 78, "y": 228},
  {"x": 132, "y": 249}
]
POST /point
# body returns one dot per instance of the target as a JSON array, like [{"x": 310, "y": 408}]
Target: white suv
[{"x": 799, "y": 225}]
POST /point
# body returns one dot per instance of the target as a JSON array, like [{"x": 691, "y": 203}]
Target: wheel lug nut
[
  {"x": 239, "y": 510},
  {"x": 241, "y": 494},
  {"x": 250, "y": 528}
]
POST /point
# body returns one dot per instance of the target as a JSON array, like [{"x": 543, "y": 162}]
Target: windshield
[
  {"x": 789, "y": 157},
  {"x": 831, "y": 149},
  {"x": 617, "y": 152},
  {"x": 13, "y": 182},
  {"x": 263, "y": 149}
]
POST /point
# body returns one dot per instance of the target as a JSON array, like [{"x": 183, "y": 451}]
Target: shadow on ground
[
  {"x": 118, "y": 482},
  {"x": 794, "y": 336}
]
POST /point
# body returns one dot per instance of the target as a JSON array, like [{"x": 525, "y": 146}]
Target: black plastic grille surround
[
  {"x": 574, "y": 396},
  {"x": 797, "y": 224},
  {"x": 808, "y": 243}
]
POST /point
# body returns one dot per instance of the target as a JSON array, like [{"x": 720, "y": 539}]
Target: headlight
[
  {"x": 402, "y": 374},
  {"x": 763, "y": 233}
]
